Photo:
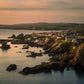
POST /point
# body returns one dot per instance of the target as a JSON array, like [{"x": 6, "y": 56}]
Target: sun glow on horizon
[{"x": 32, "y": 11}]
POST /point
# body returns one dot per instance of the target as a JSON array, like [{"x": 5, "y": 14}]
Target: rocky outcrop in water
[
  {"x": 26, "y": 46},
  {"x": 34, "y": 54},
  {"x": 11, "y": 67},
  {"x": 5, "y": 46},
  {"x": 44, "y": 67},
  {"x": 13, "y": 36},
  {"x": 37, "y": 69},
  {"x": 70, "y": 59},
  {"x": 20, "y": 36},
  {"x": 63, "y": 56}
]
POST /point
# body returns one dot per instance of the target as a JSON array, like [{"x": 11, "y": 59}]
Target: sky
[{"x": 33, "y": 11}]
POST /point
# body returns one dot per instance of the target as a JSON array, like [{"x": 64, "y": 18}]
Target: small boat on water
[{"x": 26, "y": 46}]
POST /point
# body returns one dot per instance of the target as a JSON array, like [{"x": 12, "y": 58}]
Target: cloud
[
  {"x": 62, "y": 2},
  {"x": 27, "y": 11},
  {"x": 41, "y": 4},
  {"x": 59, "y": 2},
  {"x": 22, "y": 3},
  {"x": 21, "y": 9},
  {"x": 77, "y": 8}
]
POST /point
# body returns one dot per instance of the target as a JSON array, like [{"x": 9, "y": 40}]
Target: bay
[{"x": 18, "y": 56}]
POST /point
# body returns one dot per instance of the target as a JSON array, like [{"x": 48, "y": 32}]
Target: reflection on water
[
  {"x": 18, "y": 55},
  {"x": 79, "y": 73},
  {"x": 12, "y": 57}
]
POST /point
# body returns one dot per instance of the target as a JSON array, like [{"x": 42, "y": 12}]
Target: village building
[
  {"x": 74, "y": 47},
  {"x": 49, "y": 34},
  {"x": 59, "y": 37},
  {"x": 46, "y": 39},
  {"x": 28, "y": 39},
  {"x": 35, "y": 37},
  {"x": 41, "y": 34},
  {"x": 68, "y": 38},
  {"x": 72, "y": 39},
  {"x": 36, "y": 41}
]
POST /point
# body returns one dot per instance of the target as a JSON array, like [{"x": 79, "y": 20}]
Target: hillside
[
  {"x": 65, "y": 52},
  {"x": 45, "y": 26}
]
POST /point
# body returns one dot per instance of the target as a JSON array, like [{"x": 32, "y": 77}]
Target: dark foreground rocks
[
  {"x": 11, "y": 67},
  {"x": 71, "y": 59},
  {"x": 13, "y": 36},
  {"x": 60, "y": 62},
  {"x": 43, "y": 67},
  {"x": 37, "y": 69},
  {"x": 5, "y": 47}
]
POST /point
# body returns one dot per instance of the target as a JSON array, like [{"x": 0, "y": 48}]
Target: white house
[
  {"x": 58, "y": 37},
  {"x": 28, "y": 39}
]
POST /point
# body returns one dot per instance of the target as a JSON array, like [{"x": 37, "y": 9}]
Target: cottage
[
  {"x": 46, "y": 39},
  {"x": 35, "y": 37},
  {"x": 49, "y": 34},
  {"x": 58, "y": 37},
  {"x": 74, "y": 40},
  {"x": 68, "y": 39},
  {"x": 36, "y": 41},
  {"x": 74, "y": 47},
  {"x": 28, "y": 39}
]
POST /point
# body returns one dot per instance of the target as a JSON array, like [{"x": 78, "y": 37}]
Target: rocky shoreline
[
  {"x": 64, "y": 54},
  {"x": 68, "y": 59},
  {"x": 34, "y": 54}
]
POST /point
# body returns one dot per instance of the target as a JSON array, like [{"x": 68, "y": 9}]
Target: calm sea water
[
  {"x": 18, "y": 56},
  {"x": 5, "y": 33}
]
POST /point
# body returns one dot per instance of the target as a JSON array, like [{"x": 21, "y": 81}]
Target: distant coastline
[{"x": 45, "y": 26}]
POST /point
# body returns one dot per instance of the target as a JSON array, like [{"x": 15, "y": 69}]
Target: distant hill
[{"x": 45, "y": 26}]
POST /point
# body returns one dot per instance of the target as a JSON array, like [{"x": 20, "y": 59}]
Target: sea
[{"x": 16, "y": 55}]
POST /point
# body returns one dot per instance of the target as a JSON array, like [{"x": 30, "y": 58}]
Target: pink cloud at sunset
[{"x": 30, "y": 11}]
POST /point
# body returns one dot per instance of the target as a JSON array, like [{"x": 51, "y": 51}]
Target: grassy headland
[{"x": 45, "y": 26}]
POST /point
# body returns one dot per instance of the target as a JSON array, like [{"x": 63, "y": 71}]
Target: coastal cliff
[
  {"x": 66, "y": 55},
  {"x": 71, "y": 53},
  {"x": 78, "y": 61}
]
